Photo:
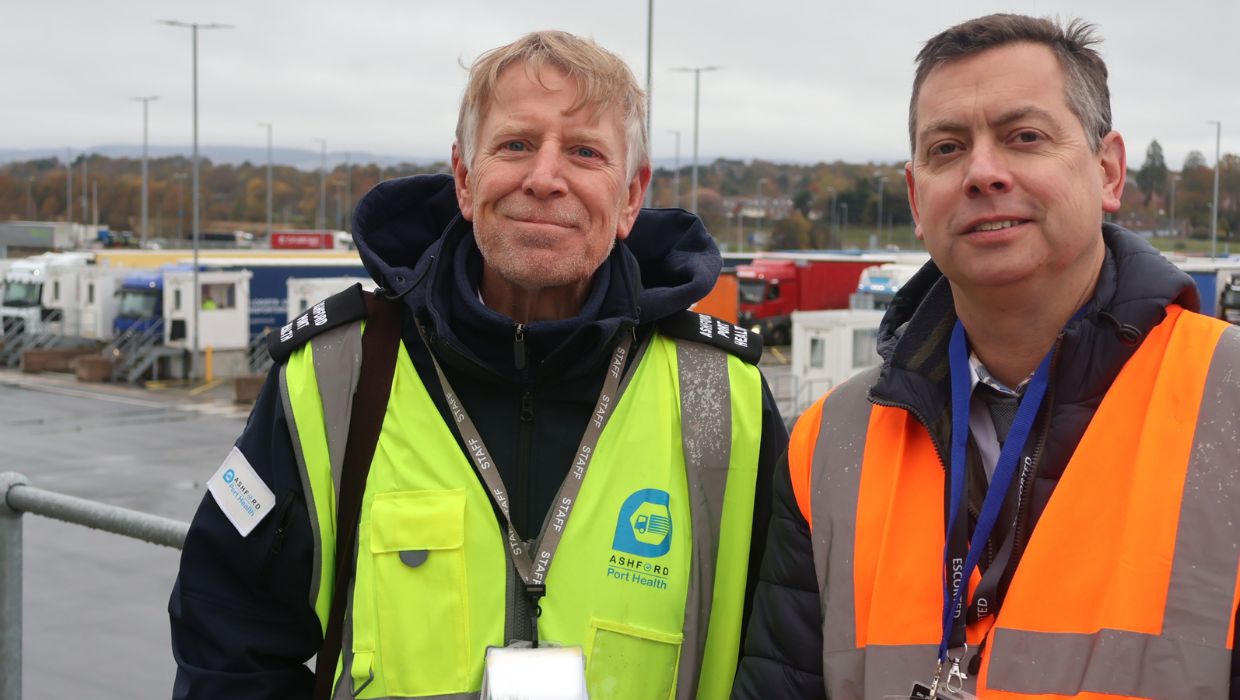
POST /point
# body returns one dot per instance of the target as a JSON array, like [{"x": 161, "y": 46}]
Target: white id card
[{"x": 524, "y": 673}]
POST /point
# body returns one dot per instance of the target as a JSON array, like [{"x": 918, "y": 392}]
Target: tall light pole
[
  {"x": 320, "y": 218},
  {"x": 85, "y": 197},
  {"x": 68, "y": 186},
  {"x": 179, "y": 178},
  {"x": 268, "y": 125},
  {"x": 194, "y": 27},
  {"x": 1175, "y": 177},
  {"x": 30, "y": 197},
  {"x": 832, "y": 191},
  {"x": 348, "y": 191},
  {"x": 697, "y": 93},
  {"x": 1218, "y": 136},
  {"x": 676, "y": 174},
  {"x": 649, "y": 84},
  {"x": 146, "y": 101},
  {"x": 882, "y": 189}
]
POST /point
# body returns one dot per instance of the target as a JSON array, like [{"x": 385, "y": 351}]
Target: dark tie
[{"x": 1002, "y": 410}]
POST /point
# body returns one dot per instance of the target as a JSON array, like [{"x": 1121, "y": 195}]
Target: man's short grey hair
[
  {"x": 604, "y": 81},
  {"x": 1085, "y": 74}
]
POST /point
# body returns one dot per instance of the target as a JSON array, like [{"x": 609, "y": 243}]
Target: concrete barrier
[
  {"x": 52, "y": 360},
  {"x": 247, "y": 386},
  {"x": 93, "y": 368}
]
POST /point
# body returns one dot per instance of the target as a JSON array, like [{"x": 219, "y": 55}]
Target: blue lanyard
[{"x": 956, "y": 575}]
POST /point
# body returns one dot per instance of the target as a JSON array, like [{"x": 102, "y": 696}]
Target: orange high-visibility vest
[{"x": 1128, "y": 585}]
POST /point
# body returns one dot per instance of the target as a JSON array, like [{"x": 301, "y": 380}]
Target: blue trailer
[{"x": 269, "y": 282}]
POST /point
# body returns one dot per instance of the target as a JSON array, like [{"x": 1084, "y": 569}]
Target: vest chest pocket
[
  {"x": 417, "y": 544},
  {"x": 630, "y": 662}
]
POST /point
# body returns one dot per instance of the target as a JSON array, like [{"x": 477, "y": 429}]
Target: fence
[{"x": 18, "y": 497}]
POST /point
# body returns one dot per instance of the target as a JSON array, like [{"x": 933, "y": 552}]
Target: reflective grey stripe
[
  {"x": 337, "y": 367},
  {"x": 344, "y": 681},
  {"x": 337, "y": 356},
  {"x": 834, "y": 482},
  {"x": 1203, "y": 572},
  {"x": 1110, "y": 662},
  {"x": 877, "y": 671},
  {"x": 316, "y": 564},
  {"x": 1190, "y": 658},
  {"x": 706, "y": 396}
]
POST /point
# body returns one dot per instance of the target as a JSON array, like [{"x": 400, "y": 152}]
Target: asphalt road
[{"x": 95, "y": 621}]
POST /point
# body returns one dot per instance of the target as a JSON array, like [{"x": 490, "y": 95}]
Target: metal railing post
[{"x": 10, "y": 591}]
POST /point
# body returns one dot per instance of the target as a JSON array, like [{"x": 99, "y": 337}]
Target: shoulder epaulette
[
  {"x": 704, "y": 328},
  {"x": 336, "y": 310}
]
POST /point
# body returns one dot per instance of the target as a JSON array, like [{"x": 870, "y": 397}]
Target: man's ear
[
  {"x": 460, "y": 174},
  {"x": 910, "y": 181},
  {"x": 1113, "y": 166},
  {"x": 633, "y": 202}
]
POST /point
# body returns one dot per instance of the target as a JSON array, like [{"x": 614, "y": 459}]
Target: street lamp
[
  {"x": 268, "y": 125},
  {"x": 697, "y": 92},
  {"x": 68, "y": 186},
  {"x": 1218, "y": 135},
  {"x": 194, "y": 27},
  {"x": 1175, "y": 177},
  {"x": 882, "y": 189},
  {"x": 843, "y": 221},
  {"x": 179, "y": 178},
  {"x": 30, "y": 197},
  {"x": 649, "y": 84},
  {"x": 676, "y": 174},
  {"x": 320, "y": 218},
  {"x": 832, "y": 191},
  {"x": 146, "y": 101}
]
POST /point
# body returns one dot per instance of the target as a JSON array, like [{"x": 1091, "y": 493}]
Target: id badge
[{"x": 525, "y": 673}]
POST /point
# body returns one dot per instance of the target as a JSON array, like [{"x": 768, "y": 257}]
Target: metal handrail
[{"x": 18, "y": 497}]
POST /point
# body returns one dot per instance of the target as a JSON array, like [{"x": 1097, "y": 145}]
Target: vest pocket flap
[{"x": 417, "y": 520}]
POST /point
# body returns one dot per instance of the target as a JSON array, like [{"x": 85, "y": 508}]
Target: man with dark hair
[
  {"x": 1036, "y": 494},
  {"x": 532, "y": 454}
]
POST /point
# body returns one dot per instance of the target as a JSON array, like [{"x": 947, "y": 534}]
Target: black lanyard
[{"x": 533, "y": 569}]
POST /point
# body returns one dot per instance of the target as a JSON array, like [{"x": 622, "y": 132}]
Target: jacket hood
[
  {"x": 415, "y": 244},
  {"x": 1135, "y": 285}
]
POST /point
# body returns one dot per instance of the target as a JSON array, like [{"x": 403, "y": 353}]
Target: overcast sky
[{"x": 799, "y": 81}]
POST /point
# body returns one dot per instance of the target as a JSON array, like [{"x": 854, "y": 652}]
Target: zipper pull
[
  {"x": 518, "y": 347},
  {"x": 527, "y": 407}
]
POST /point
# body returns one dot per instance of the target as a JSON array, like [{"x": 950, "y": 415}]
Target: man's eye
[
  {"x": 586, "y": 152},
  {"x": 514, "y": 146},
  {"x": 943, "y": 149},
  {"x": 1028, "y": 137}
]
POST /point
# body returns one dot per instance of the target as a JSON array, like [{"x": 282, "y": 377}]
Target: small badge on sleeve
[{"x": 238, "y": 491}]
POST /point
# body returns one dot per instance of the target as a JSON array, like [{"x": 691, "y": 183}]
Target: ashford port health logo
[{"x": 644, "y": 526}]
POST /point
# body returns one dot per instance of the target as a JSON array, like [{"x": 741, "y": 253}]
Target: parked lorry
[
  {"x": 267, "y": 299},
  {"x": 1229, "y": 300},
  {"x": 140, "y": 301},
  {"x": 310, "y": 239},
  {"x": 878, "y": 284},
  {"x": 22, "y": 309},
  {"x": 771, "y": 289}
]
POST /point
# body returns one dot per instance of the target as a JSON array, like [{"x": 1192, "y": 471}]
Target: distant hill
[{"x": 300, "y": 158}]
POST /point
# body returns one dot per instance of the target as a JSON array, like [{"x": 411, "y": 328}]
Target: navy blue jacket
[{"x": 242, "y": 624}]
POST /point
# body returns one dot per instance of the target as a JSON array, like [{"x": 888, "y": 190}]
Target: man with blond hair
[
  {"x": 1036, "y": 495},
  {"x": 531, "y": 445}
]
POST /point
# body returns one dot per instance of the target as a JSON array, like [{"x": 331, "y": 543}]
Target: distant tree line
[
  {"x": 1189, "y": 194},
  {"x": 823, "y": 202}
]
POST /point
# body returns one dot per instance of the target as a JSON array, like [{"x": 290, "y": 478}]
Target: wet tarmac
[
  {"x": 95, "y": 619},
  {"x": 95, "y": 604}
]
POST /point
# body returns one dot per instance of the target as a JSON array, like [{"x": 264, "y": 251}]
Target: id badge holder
[
  {"x": 529, "y": 673},
  {"x": 939, "y": 688}
]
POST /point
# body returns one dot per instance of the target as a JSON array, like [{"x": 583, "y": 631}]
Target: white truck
[{"x": 23, "y": 309}]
